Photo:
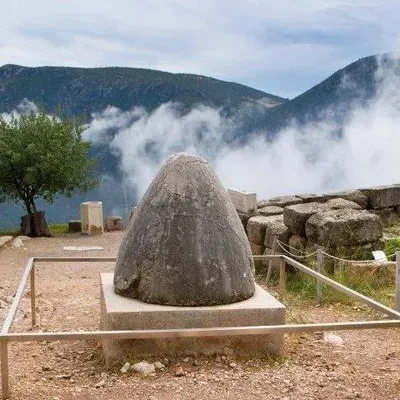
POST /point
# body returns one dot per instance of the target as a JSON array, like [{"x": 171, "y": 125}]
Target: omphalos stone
[{"x": 185, "y": 244}]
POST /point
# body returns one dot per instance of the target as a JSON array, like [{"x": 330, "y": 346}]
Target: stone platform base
[{"x": 121, "y": 313}]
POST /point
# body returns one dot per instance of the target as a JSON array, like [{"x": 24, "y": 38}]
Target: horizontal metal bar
[
  {"x": 75, "y": 259},
  {"x": 200, "y": 332},
  {"x": 266, "y": 257},
  {"x": 352, "y": 293},
  {"x": 14, "y": 306}
]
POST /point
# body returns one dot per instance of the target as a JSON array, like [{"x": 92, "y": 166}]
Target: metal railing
[{"x": 29, "y": 274}]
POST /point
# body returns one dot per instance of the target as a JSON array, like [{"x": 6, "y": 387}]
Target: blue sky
[{"x": 283, "y": 47}]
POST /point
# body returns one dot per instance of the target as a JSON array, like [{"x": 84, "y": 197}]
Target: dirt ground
[{"x": 366, "y": 366}]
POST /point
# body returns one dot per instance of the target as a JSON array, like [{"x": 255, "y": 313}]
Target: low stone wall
[{"x": 340, "y": 222}]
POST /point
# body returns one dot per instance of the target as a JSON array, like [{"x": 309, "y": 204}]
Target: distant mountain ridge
[{"x": 87, "y": 90}]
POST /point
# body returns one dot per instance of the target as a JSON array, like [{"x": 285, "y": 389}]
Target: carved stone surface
[{"x": 185, "y": 244}]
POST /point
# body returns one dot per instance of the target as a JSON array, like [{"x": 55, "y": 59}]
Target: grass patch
[
  {"x": 58, "y": 228},
  {"x": 392, "y": 245},
  {"x": 9, "y": 232},
  {"x": 372, "y": 281}
]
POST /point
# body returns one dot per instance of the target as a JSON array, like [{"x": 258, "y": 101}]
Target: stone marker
[
  {"x": 185, "y": 244},
  {"x": 92, "y": 217},
  {"x": 379, "y": 256},
  {"x": 244, "y": 202}
]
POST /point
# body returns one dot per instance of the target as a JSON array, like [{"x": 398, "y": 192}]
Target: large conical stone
[{"x": 185, "y": 244}]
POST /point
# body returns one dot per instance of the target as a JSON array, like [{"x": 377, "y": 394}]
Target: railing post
[
  {"x": 33, "y": 295},
  {"x": 320, "y": 267},
  {"x": 5, "y": 389},
  {"x": 282, "y": 275},
  {"x": 271, "y": 262},
  {"x": 397, "y": 283}
]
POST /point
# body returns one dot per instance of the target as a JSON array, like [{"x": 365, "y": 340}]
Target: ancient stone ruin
[
  {"x": 185, "y": 245},
  {"x": 343, "y": 223},
  {"x": 185, "y": 262}
]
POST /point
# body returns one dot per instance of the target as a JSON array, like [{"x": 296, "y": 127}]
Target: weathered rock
[
  {"x": 143, "y": 368},
  {"x": 256, "y": 229},
  {"x": 270, "y": 210},
  {"x": 389, "y": 216},
  {"x": 5, "y": 239},
  {"x": 296, "y": 216},
  {"x": 275, "y": 228},
  {"x": 185, "y": 244},
  {"x": 125, "y": 368},
  {"x": 383, "y": 196},
  {"x": 312, "y": 198},
  {"x": 352, "y": 195},
  {"x": 114, "y": 223},
  {"x": 337, "y": 204},
  {"x": 159, "y": 365},
  {"x": 335, "y": 340},
  {"x": 284, "y": 201},
  {"x": 244, "y": 218},
  {"x": 345, "y": 227}
]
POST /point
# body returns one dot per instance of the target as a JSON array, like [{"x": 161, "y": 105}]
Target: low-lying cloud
[{"x": 300, "y": 159}]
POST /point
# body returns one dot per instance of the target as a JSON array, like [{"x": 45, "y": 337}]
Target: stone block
[
  {"x": 338, "y": 203},
  {"x": 345, "y": 227},
  {"x": 114, "y": 223},
  {"x": 383, "y": 196},
  {"x": 352, "y": 195},
  {"x": 270, "y": 210},
  {"x": 256, "y": 229},
  {"x": 389, "y": 215},
  {"x": 244, "y": 202},
  {"x": 296, "y": 216},
  {"x": 74, "y": 226},
  {"x": 312, "y": 198},
  {"x": 92, "y": 217},
  {"x": 284, "y": 201},
  {"x": 257, "y": 249},
  {"x": 275, "y": 228},
  {"x": 122, "y": 313}
]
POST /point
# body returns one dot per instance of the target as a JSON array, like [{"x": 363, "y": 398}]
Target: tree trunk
[{"x": 35, "y": 224}]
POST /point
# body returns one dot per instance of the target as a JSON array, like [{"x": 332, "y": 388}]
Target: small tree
[{"x": 42, "y": 156}]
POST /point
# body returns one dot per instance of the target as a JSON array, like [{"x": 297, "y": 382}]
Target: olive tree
[{"x": 42, "y": 156}]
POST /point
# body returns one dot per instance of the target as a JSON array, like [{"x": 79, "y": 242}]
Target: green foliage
[
  {"x": 42, "y": 156},
  {"x": 373, "y": 281},
  {"x": 392, "y": 245},
  {"x": 58, "y": 228}
]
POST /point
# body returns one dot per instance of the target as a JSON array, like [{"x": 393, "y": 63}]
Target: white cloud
[
  {"x": 307, "y": 159},
  {"x": 281, "y": 46}
]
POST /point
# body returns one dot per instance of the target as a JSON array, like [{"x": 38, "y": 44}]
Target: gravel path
[{"x": 366, "y": 366}]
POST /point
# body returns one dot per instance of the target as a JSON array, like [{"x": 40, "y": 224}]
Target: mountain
[
  {"x": 87, "y": 90},
  {"x": 355, "y": 84}
]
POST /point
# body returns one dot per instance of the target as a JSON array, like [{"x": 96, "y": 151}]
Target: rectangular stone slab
[{"x": 122, "y": 313}]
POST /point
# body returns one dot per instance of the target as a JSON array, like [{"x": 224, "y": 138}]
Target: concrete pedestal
[{"x": 121, "y": 313}]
